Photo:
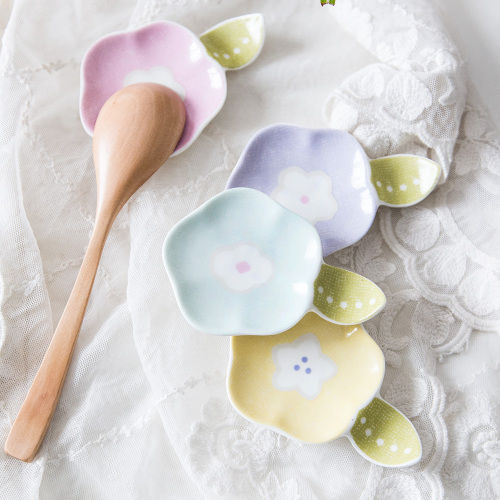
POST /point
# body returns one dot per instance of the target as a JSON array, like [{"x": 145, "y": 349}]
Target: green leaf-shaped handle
[
  {"x": 236, "y": 42},
  {"x": 385, "y": 436},
  {"x": 346, "y": 298},
  {"x": 403, "y": 180}
]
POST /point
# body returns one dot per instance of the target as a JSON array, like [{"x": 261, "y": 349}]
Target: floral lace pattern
[
  {"x": 474, "y": 445},
  {"x": 165, "y": 418},
  {"x": 452, "y": 269},
  {"x": 234, "y": 457},
  {"x": 229, "y": 454}
]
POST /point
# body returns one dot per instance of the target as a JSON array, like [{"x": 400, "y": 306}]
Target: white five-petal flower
[
  {"x": 302, "y": 366},
  {"x": 308, "y": 194},
  {"x": 156, "y": 74},
  {"x": 241, "y": 267}
]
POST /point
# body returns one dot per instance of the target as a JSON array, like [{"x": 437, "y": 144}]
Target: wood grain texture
[{"x": 137, "y": 130}]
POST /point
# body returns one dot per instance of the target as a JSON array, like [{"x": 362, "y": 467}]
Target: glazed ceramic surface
[
  {"x": 308, "y": 382},
  {"x": 169, "y": 54},
  {"x": 383, "y": 435},
  {"x": 237, "y": 42},
  {"x": 346, "y": 298},
  {"x": 317, "y": 382},
  {"x": 243, "y": 264},
  {"x": 326, "y": 177}
]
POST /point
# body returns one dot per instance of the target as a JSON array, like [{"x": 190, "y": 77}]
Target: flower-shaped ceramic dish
[
  {"x": 317, "y": 382},
  {"x": 242, "y": 264},
  {"x": 169, "y": 54},
  {"x": 326, "y": 177}
]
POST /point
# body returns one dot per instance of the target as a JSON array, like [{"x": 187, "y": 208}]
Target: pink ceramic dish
[
  {"x": 162, "y": 52},
  {"x": 171, "y": 55}
]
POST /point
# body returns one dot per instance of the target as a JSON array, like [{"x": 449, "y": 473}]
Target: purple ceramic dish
[{"x": 326, "y": 177}]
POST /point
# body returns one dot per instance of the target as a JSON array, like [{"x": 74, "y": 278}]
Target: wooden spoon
[{"x": 136, "y": 131}]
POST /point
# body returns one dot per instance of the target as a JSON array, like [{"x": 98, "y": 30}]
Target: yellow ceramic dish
[{"x": 319, "y": 381}]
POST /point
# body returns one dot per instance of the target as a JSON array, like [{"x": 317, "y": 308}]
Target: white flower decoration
[
  {"x": 241, "y": 267},
  {"x": 307, "y": 194},
  {"x": 157, "y": 74},
  {"x": 302, "y": 366}
]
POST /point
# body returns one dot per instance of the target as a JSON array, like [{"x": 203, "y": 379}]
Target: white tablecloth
[{"x": 144, "y": 414}]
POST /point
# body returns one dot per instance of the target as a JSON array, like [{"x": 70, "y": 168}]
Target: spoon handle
[{"x": 35, "y": 415}]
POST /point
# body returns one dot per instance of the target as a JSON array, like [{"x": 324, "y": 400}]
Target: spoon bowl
[{"x": 135, "y": 133}]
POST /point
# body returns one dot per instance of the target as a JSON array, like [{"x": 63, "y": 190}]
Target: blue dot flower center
[
  {"x": 296, "y": 368},
  {"x": 304, "y": 359}
]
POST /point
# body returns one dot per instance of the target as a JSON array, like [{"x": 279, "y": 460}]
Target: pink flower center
[
  {"x": 304, "y": 199},
  {"x": 243, "y": 267}
]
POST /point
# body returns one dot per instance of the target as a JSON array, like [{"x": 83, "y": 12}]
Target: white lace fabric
[{"x": 144, "y": 412}]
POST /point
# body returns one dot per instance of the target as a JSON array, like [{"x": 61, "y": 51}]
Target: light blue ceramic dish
[
  {"x": 243, "y": 264},
  {"x": 228, "y": 267}
]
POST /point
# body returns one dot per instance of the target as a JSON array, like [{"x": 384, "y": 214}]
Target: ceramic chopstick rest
[
  {"x": 169, "y": 54},
  {"x": 325, "y": 176},
  {"x": 242, "y": 264},
  {"x": 317, "y": 382}
]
